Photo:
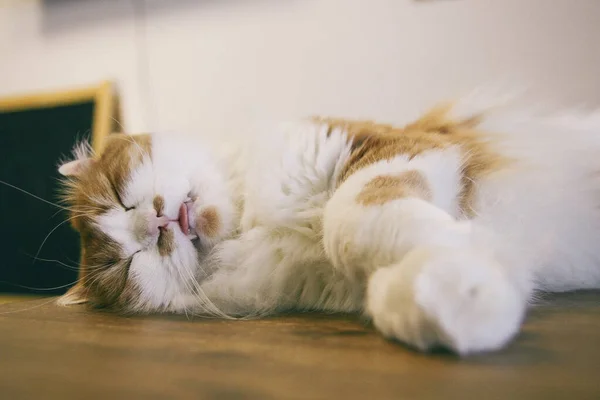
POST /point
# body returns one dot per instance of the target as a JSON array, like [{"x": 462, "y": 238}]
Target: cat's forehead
[{"x": 121, "y": 154}]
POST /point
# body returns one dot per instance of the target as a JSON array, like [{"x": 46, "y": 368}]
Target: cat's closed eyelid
[
  {"x": 125, "y": 207},
  {"x": 118, "y": 196}
]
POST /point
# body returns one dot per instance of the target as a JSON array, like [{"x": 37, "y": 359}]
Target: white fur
[
  {"x": 435, "y": 296},
  {"x": 366, "y": 238},
  {"x": 278, "y": 262},
  {"x": 291, "y": 239}
]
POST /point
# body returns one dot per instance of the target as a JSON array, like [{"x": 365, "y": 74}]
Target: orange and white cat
[{"x": 439, "y": 231}]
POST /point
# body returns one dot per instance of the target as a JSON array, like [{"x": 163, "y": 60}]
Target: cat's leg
[
  {"x": 431, "y": 281},
  {"x": 458, "y": 298}
]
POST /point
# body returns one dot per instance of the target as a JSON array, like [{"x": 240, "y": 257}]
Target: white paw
[{"x": 454, "y": 298}]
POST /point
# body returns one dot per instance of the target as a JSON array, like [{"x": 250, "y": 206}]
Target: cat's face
[{"x": 148, "y": 210}]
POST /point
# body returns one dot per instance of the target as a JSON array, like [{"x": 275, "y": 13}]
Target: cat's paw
[{"x": 453, "y": 298}]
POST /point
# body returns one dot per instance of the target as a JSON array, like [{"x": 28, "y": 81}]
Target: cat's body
[{"x": 440, "y": 231}]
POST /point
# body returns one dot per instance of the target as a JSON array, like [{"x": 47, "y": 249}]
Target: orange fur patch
[
  {"x": 373, "y": 142},
  {"x": 210, "y": 221},
  {"x": 159, "y": 204},
  {"x": 101, "y": 186},
  {"x": 166, "y": 242},
  {"x": 385, "y": 188}
]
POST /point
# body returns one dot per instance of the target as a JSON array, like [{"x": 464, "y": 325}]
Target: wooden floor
[
  {"x": 12, "y": 298},
  {"x": 48, "y": 352}
]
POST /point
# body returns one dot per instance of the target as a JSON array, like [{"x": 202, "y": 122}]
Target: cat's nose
[{"x": 155, "y": 223}]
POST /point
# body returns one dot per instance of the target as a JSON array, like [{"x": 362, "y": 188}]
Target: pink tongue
[{"x": 183, "y": 219}]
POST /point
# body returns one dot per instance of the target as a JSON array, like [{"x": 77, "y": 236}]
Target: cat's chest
[{"x": 290, "y": 176}]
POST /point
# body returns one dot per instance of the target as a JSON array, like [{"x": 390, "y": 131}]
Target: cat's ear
[
  {"x": 75, "y": 167},
  {"x": 83, "y": 158},
  {"x": 77, "y": 294}
]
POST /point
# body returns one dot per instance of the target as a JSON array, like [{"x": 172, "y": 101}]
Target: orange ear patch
[{"x": 385, "y": 188}]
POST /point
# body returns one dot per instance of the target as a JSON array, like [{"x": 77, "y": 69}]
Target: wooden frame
[{"x": 107, "y": 113}]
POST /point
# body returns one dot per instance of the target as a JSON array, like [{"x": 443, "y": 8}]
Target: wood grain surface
[{"x": 47, "y": 352}]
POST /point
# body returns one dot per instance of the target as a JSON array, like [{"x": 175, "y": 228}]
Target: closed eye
[{"x": 116, "y": 193}]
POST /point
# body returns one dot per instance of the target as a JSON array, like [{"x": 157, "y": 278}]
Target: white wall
[{"x": 214, "y": 65}]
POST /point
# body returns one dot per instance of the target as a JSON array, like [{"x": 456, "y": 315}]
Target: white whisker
[
  {"x": 40, "y": 289},
  {"x": 32, "y": 195},
  {"x": 71, "y": 267},
  {"x": 204, "y": 300},
  {"x": 52, "y": 231},
  {"x": 29, "y": 308}
]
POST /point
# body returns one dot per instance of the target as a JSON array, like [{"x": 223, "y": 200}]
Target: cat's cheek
[{"x": 208, "y": 222}]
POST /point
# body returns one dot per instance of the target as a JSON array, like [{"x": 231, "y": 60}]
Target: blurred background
[
  {"x": 215, "y": 67},
  {"x": 211, "y": 66}
]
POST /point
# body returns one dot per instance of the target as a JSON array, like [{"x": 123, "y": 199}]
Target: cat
[{"x": 440, "y": 231}]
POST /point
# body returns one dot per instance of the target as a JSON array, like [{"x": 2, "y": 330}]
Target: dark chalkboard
[{"x": 32, "y": 141}]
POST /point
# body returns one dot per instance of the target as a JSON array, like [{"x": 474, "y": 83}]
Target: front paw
[{"x": 441, "y": 297}]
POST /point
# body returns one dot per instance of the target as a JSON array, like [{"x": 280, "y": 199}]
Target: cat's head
[{"x": 148, "y": 209}]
